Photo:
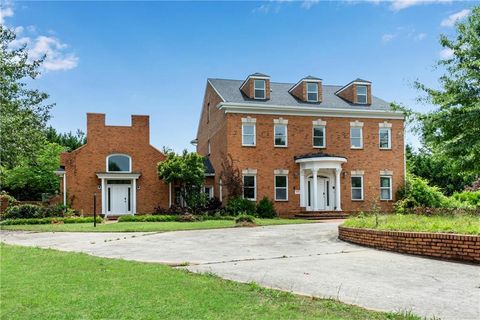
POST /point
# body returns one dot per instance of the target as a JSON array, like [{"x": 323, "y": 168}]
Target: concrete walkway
[{"x": 306, "y": 259}]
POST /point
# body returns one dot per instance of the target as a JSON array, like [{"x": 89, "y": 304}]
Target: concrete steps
[{"x": 321, "y": 215}]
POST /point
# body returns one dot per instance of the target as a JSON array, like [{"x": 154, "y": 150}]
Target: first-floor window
[
  {"x": 249, "y": 185},
  {"x": 208, "y": 191},
  {"x": 281, "y": 188},
  {"x": 357, "y": 188},
  {"x": 386, "y": 188}
]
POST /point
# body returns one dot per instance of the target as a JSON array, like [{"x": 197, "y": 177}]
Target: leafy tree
[
  {"x": 231, "y": 178},
  {"x": 188, "y": 171},
  {"x": 28, "y": 181},
  {"x": 68, "y": 140},
  {"x": 23, "y": 111},
  {"x": 452, "y": 130}
]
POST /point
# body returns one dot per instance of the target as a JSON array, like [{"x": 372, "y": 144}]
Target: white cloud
[
  {"x": 307, "y": 4},
  {"x": 56, "y": 57},
  {"x": 420, "y": 36},
  {"x": 5, "y": 11},
  {"x": 398, "y": 5},
  {"x": 388, "y": 37},
  {"x": 453, "y": 18},
  {"x": 446, "y": 53}
]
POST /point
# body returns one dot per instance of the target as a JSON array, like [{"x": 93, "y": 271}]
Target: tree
[
  {"x": 68, "y": 140},
  {"x": 188, "y": 171},
  {"x": 23, "y": 111},
  {"x": 231, "y": 178},
  {"x": 452, "y": 130},
  {"x": 28, "y": 181}
]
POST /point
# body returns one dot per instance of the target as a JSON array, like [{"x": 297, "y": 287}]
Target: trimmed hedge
[
  {"x": 49, "y": 221},
  {"x": 170, "y": 218}
]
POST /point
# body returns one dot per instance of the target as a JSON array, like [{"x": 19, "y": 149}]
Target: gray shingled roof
[{"x": 230, "y": 91}]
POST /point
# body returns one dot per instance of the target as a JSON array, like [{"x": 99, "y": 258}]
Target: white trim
[
  {"x": 211, "y": 193},
  {"x": 264, "y": 89},
  {"x": 361, "y": 188},
  {"x": 119, "y": 154},
  {"x": 275, "y": 187},
  {"x": 249, "y": 171},
  {"x": 389, "y": 177},
  {"x": 117, "y": 175},
  {"x": 324, "y": 136},
  {"x": 104, "y": 197},
  {"x": 215, "y": 89},
  {"x": 356, "y": 123},
  {"x": 220, "y": 190},
  {"x": 252, "y": 108},
  {"x": 389, "y": 146},
  {"x": 303, "y": 80},
  {"x": 286, "y": 136},
  {"x": 254, "y": 185},
  {"x": 253, "y": 124},
  {"x": 352, "y": 83},
  {"x": 327, "y": 160},
  {"x": 170, "y": 195},
  {"x": 249, "y": 120},
  {"x": 306, "y": 84},
  {"x": 386, "y": 173},
  {"x": 253, "y": 77},
  {"x": 357, "y": 172},
  {"x": 319, "y": 122},
  {"x": 134, "y": 196},
  {"x": 280, "y": 121},
  {"x": 280, "y": 172},
  {"x": 65, "y": 189},
  {"x": 357, "y": 95},
  {"x": 385, "y": 124},
  {"x": 361, "y": 137}
]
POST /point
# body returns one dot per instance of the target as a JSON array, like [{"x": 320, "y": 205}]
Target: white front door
[
  {"x": 323, "y": 194},
  {"x": 119, "y": 199}
]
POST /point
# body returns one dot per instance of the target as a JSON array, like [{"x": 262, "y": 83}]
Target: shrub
[
  {"x": 266, "y": 209},
  {"x": 468, "y": 197},
  {"x": 24, "y": 211},
  {"x": 236, "y": 206},
  {"x": 213, "y": 205},
  {"x": 245, "y": 219},
  {"x": 148, "y": 218},
  {"x": 49, "y": 221}
]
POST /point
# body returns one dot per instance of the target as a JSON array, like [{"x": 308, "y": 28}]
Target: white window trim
[
  {"x": 264, "y": 89},
  {"x": 363, "y": 95},
  {"x": 119, "y": 154},
  {"x": 254, "y": 186},
  {"x": 275, "y": 186},
  {"x": 361, "y": 137},
  {"x": 389, "y": 146},
  {"x": 385, "y": 188},
  {"x": 351, "y": 187},
  {"x": 212, "y": 191},
  {"x": 254, "y": 134},
  {"x": 286, "y": 136},
  {"x": 316, "y": 92},
  {"x": 324, "y": 136}
]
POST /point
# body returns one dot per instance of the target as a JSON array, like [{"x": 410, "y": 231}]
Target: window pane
[
  {"x": 249, "y": 181},
  {"x": 281, "y": 194},
  {"x": 118, "y": 163},
  {"x": 260, "y": 84},
  {"x": 280, "y": 135},
  {"x": 356, "y": 182},
  {"x": 384, "y": 138},
  {"x": 312, "y": 87},
  {"x": 356, "y": 194},
  {"x": 355, "y": 137},
  {"x": 355, "y": 132},
  {"x": 280, "y": 181},
  {"x": 249, "y": 193},
  {"x": 312, "y": 96},
  {"x": 318, "y": 142},
  {"x": 259, "y": 94},
  {"x": 248, "y": 129},
  {"x": 318, "y": 132},
  {"x": 362, "y": 99},
  {"x": 356, "y": 142},
  {"x": 249, "y": 140},
  {"x": 361, "y": 90},
  {"x": 280, "y": 130},
  {"x": 385, "y": 194},
  {"x": 384, "y": 182}
]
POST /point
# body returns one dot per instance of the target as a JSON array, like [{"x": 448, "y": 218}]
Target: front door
[
  {"x": 119, "y": 198},
  {"x": 323, "y": 194}
]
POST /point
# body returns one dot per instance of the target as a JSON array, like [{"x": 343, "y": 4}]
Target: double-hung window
[
  {"x": 385, "y": 188},
  {"x": 356, "y": 137},
  {"x": 385, "y": 139},
  {"x": 312, "y": 92},
  {"x": 280, "y": 131},
  {"x": 249, "y": 187},
  {"x": 318, "y": 136},
  {"x": 281, "y": 188},
  {"x": 248, "y": 134},
  {"x": 357, "y": 187},
  {"x": 259, "y": 88},
  {"x": 361, "y": 94}
]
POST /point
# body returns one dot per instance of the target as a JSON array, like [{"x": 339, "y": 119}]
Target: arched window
[{"x": 119, "y": 163}]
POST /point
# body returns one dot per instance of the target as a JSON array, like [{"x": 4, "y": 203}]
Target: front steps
[{"x": 321, "y": 215}]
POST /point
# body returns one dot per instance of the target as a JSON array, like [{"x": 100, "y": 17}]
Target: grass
[
  {"x": 48, "y": 284},
  {"x": 464, "y": 224},
  {"x": 147, "y": 226}
]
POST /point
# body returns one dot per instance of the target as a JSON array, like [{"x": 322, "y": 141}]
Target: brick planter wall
[{"x": 437, "y": 245}]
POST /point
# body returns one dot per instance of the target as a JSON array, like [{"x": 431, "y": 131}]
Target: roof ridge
[{"x": 286, "y": 83}]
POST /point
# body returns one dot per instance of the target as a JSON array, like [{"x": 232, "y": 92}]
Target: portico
[{"x": 320, "y": 181}]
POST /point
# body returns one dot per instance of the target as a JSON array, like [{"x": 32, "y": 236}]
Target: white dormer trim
[
  {"x": 304, "y": 80},
  {"x": 249, "y": 171},
  {"x": 386, "y": 172},
  {"x": 319, "y": 122},
  {"x": 280, "y": 172},
  {"x": 352, "y": 83},
  {"x": 384, "y": 124},
  {"x": 249, "y": 120},
  {"x": 254, "y": 77},
  {"x": 280, "y": 121},
  {"x": 356, "y": 123}
]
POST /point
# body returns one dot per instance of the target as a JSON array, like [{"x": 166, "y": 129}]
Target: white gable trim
[
  {"x": 303, "y": 80},
  {"x": 216, "y": 91},
  {"x": 352, "y": 83}
]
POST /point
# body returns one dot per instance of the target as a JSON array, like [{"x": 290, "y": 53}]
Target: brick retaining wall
[{"x": 437, "y": 245}]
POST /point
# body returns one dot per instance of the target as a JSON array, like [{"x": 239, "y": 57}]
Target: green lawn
[
  {"x": 146, "y": 226},
  {"x": 419, "y": 223},
  {"x": 48, "y": 284}
]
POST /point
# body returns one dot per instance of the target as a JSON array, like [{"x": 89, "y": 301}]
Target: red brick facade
[
  {"x": 83, "y": 164},
  {"x": 224, "y": 132}
]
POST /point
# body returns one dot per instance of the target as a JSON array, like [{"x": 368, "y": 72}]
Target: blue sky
[{"x": 124, "y": 58}]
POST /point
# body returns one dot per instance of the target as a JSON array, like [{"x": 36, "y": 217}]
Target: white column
[
  {"x": 337, "y": 190},
  {"x": 104, "y": 197},
  {"x": 170, "y": 195},
  {"x": 65, "y": 189},
  {"x": 134, "y": 196},
  {"x": 315, "y": 190},
  {"x": 302, "y": 188},
  {"x": 220, "y": 190}
]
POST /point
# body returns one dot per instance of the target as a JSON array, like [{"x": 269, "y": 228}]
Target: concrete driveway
[{"x": 306, "y": 259}]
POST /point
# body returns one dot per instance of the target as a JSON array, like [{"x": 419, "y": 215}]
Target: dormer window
[
  {"x": 362, "y": 94},
  {"x": 312, "y": 91},
  {"x": 259, "y": 86}
]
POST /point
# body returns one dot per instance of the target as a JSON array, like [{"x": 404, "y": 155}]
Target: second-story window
[
  {"x": 385, "y": 138},
  {"x": 259, "y": 86},
  {"x": 312, "y": 92},
  {"x": 361, "y": 94},
  {"x": 318, "y": 136},
  {"x": 356, "y": 139},
  {"x": 280, "y": 131},
  {"x": 248, "y": 134}
]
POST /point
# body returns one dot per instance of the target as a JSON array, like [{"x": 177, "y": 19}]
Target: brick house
[
  {"x": 308, "y": 146},
  {"x": 119, "y": 165}
]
